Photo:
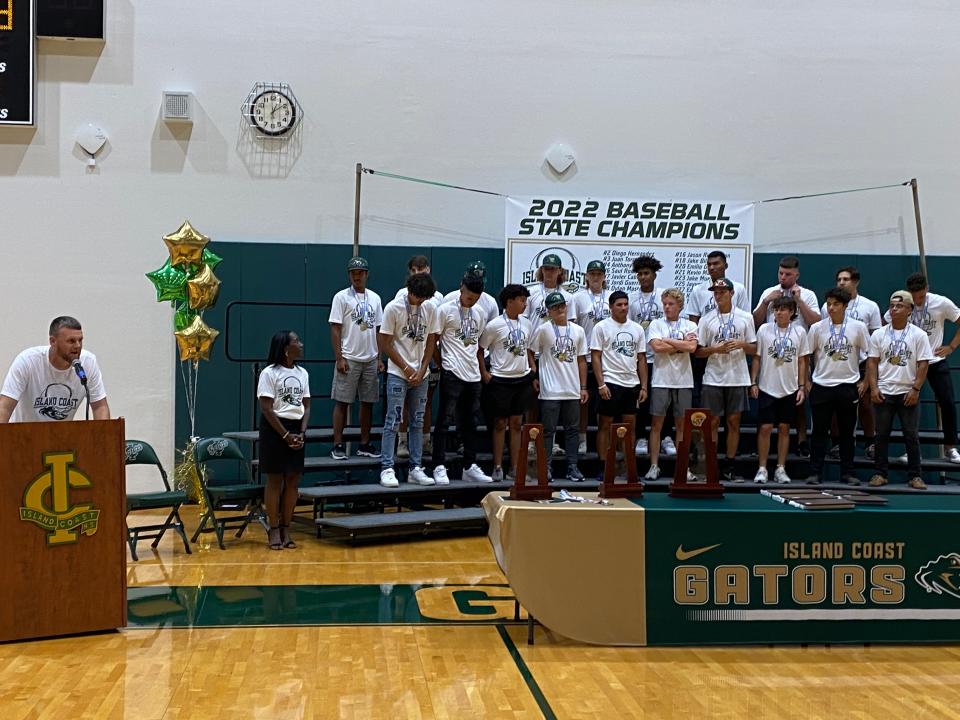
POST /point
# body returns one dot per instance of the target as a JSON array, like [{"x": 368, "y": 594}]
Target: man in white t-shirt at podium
[{"x": 47, "y": 382}]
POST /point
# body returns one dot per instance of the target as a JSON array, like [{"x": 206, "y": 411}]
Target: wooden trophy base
[
  {"x": 520, "y": 489},
  {"x": 702, "y": 420},
  {"x": 621, "y": 437}
]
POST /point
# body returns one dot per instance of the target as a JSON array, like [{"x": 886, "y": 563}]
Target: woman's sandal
[
  {"x": 274, "y": 539},
  {"x": 285, "y": 537}
]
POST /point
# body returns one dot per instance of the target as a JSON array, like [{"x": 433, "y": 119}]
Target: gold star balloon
[
  {"x": 202, "y": 289},
  {"x": 186, "y": 245},
  {"x": 196, "y": 340}
]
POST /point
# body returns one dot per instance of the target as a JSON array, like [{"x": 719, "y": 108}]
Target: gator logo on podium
[
  {"x": 46, "y": 501},
  {"x": 941, "y": 575}
]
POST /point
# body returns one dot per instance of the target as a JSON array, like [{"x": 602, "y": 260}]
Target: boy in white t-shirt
[
  {"x": 460, "y": 323},
  {"x": 619, "y": 367},
  {"x": 408, "y": 339},
  {"x": 562, "y": 383},
  {"x": 355, "y": 316},
  {"x": 419, "y": 265},
  {"x": 726, "y": 338},
  {"x": 591, "y": 306},
  {"x": 508, "y": 384},
  {"x": 777, "y": 380},
  {"x": 897, "y": 369},
  {"x": 673, "y": 339},
  {"x": 837, "y": 389},
  {"x": 645, "y": 307}
]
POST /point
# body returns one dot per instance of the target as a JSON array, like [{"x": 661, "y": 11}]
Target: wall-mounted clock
[{"x": 272, "y": 109}]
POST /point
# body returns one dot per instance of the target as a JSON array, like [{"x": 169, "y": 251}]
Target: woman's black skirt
[{"x": 276, "y": 456}]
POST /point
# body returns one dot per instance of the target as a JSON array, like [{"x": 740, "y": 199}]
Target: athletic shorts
[
  {"x": 360, "y": 380},
  {"x": 506, "y": 397},
  {"x": 623, "y": 401},
  {"x": 777, "y": 411},
  {"x": 724, "y": 400},
  {"x": 662, "y": 398}
]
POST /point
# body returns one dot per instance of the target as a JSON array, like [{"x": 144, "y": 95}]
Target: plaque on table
[
  {"x": 697, "y": 432},
  {"x": 522, "y": 488}
]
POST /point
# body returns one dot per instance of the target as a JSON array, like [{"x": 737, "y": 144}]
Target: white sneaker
[
  {"x": 388, "y": 478},
  {"x": 761, "y": 476},
  {"x": 440, "y": 476},
  {"x": 475, "y": 474},
  {"x": 780, "y": 475},
  {"x": 667, "y": 447},
  {"x": 903, "y": 458},
  {"x": 418, "y": 477},
  {"x": 953, "y": 455},
  {"x": 642, "y": 448},
  {"x": 653, "y": 473},
  {"x": 691, "y": 477},
  {"x": 557, "y": 450},
  {"x": 403, "y": 450},
  {"x": 582, "y": 447}
]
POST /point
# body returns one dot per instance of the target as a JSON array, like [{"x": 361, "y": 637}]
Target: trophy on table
[{"x": 698, "y": 432}]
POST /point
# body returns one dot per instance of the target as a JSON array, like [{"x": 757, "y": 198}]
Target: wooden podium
[{"x": 62, "y": 507}]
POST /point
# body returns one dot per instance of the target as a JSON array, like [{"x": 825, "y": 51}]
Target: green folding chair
[
  {"x": 139, "y": 452},
  {"x": 226, "y": 488}
]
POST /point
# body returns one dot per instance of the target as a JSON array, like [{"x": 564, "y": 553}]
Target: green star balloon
[
  {"x": 211, "y": 259},
  {"x": 183, "y": 317},
  {"x": 170, "y": 282}
]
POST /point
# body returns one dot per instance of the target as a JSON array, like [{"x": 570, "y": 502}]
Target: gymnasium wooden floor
[{"x": 388, "y": 639}]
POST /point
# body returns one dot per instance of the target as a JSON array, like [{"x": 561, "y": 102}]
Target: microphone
[{"x": 78, "y": 368}]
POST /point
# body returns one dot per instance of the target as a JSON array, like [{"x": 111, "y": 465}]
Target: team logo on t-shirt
[
  {"x": 921, "y": 318},
  {"x": 897, "y": 353},
  {"x": 414, "y": 330},
  {"x": 57, "y": 402},
  {"x": 782, "y": 350},
  {"x": 291, "y": 390},
  {"x": 837, "y": 348},
  {"x": 597, "y": 316},
  {"x": 624, "y": 344},
  {"x": 515, "y": 343},
  {"x": 364, "y": 316},
  {"x": 469, "y": 331},
  {"x": 564, "y": 350}
]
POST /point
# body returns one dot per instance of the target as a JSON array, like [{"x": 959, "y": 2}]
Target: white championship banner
[{"x": 678, "y": 233}]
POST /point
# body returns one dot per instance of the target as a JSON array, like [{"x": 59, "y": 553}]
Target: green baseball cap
[
  {"x": 551, "y": 260},
  {"x": 596, "y": 265},
  {"x": 477, "y": 268},
  {"x": 722, "y": 284},
  {"x": 554, "y": 299},
  {"x": 358, "y": 263}
]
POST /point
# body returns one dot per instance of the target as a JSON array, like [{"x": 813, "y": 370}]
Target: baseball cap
[
  {"x": 551, "y": 260},
  {"x": 722, "y": 284},
  {"x": 477, "y": 268},
  {"x": 903, "y": 296},
  {"x": 358, "y": 263},
  {"x": 596, "y": 265},
  {"x": 554, "y": 299}
]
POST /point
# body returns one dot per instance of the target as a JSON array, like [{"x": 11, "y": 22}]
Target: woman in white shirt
[{"x": 284, "y": 394}]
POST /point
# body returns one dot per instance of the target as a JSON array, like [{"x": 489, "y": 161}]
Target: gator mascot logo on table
[{"x": 941, "y": 575}]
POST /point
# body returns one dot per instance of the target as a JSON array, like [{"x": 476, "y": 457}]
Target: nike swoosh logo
[{"x": 687, "y": 554}]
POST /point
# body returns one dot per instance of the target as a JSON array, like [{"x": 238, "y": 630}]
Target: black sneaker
[
  {"x": 367, "y": 450},
  {"x": 803, "y": 448},
  {"x": 339, "y": 452},
  {"x": 729, "y": 475},
  {"x": 852, "y": 480},
  {"x": 813, "y": 480}
]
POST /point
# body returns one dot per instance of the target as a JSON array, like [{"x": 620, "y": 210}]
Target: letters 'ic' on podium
[
  {"x": 621, "y": 438},
  {"x": 697, "y": 421},
  {"x": 62, "y": 508},
  {"x": 542, "y": 490}
]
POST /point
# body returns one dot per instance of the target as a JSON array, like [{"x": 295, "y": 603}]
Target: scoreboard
[{"x": 17, "y": 62}]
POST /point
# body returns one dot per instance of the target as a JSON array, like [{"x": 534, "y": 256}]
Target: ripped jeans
[{"x": 399, "y": 392}]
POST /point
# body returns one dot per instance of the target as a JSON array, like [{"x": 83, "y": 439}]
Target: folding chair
[
  {"x": 139, "y": 452},
  {"x": 231, "y": 491}
]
